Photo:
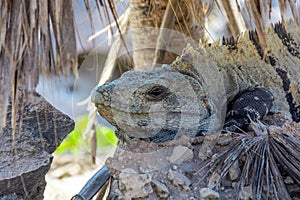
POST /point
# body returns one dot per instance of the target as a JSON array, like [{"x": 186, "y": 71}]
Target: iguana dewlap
[{"x": 190, "y": 95}]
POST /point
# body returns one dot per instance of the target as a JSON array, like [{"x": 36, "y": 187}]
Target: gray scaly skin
[{"x": 190, "y": 96}]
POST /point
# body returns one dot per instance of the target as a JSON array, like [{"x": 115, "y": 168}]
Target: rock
[
  {"x": 161, "y": 189},
  {"x": 175, "y": 167},
  {"x": 234, "y": 171},
  {"x": 288, "y": 180},
  {"x": 207, "y": 193},
  {"x": 224, "y": 139},
  {"x": 134, "y": 185},
  {"x": 213, "y": 180},
  {"x": 23, "y": 166},
  {"x": 179, "y": 180},
  {"x": 180, "y": 154},
  {"x": 207, "y": 146},
  {"x": 246, "y": 193},
  {"x": 12, "y": 196}
]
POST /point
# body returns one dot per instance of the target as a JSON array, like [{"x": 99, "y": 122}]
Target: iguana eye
[{"x": 157, "y": 92}]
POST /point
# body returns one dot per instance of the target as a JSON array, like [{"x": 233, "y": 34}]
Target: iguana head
[{"x": 156, "y": 105}]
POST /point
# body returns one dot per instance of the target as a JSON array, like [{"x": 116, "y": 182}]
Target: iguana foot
[{"x": 248, "y": 105}]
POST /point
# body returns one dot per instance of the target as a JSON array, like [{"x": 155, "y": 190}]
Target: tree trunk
[{"x": 161, "y": 29}]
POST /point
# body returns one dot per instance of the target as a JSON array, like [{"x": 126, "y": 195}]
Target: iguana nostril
[{"x": 101, "y": 95}]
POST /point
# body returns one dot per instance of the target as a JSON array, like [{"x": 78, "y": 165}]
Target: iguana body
[{"x": 190, "y": 95}]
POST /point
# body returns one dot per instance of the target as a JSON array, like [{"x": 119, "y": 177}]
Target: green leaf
[
  {"x": 106, "y": 136},
  {"x": 73, "y": 142}
]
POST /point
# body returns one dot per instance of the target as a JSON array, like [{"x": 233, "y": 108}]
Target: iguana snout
[{"x": 101, "y": 97}]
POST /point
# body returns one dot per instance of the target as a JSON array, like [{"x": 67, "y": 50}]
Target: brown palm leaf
[{"x": 265, "y": 158}]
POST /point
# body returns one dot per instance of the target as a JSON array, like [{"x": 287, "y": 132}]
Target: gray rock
[
  {"x": 161, "y": 189},
  {"x": 180, "y": 154},
  {"x": 207, "y": 193},
  {"x": 179, "y": 180},
  {"x": 288, "y": 180},
  {"x": 11, "y": 197},
  {"x": 234, "y": 171},
  {"x": 246, "y": 193},
  {"x": 213, "y": 180},
  {"x": 134, "y": 185},
  {"x": 224, "y": 139}
]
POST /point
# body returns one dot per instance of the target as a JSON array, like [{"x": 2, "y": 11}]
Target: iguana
[{"x": 190, "y": 95}]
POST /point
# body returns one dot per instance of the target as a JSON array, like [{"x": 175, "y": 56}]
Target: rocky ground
[{"x": 263, "y": 163}]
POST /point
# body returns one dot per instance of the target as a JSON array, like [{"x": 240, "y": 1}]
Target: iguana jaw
[{"x": 155, "y": 104}]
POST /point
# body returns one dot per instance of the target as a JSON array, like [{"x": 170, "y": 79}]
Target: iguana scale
[{"x": 190, "y": 95}]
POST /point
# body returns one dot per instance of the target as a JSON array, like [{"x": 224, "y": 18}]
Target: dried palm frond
[
  {"x": 265, "y": 157},
  {"x": 37, "y": 37}
]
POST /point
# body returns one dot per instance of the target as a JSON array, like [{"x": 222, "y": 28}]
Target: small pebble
[
  {"x": 288, "y": 180},
  {"x": 207, "y": 193},
  {"x": 179, "y": 180},
  {"x": 234, "y": 171},
  {"x": 180, "y": 154},
  {"x": 161, "y": 189}
]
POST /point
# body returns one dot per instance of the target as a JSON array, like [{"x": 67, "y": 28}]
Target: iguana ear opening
[{"x": 192, "y": 73}]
